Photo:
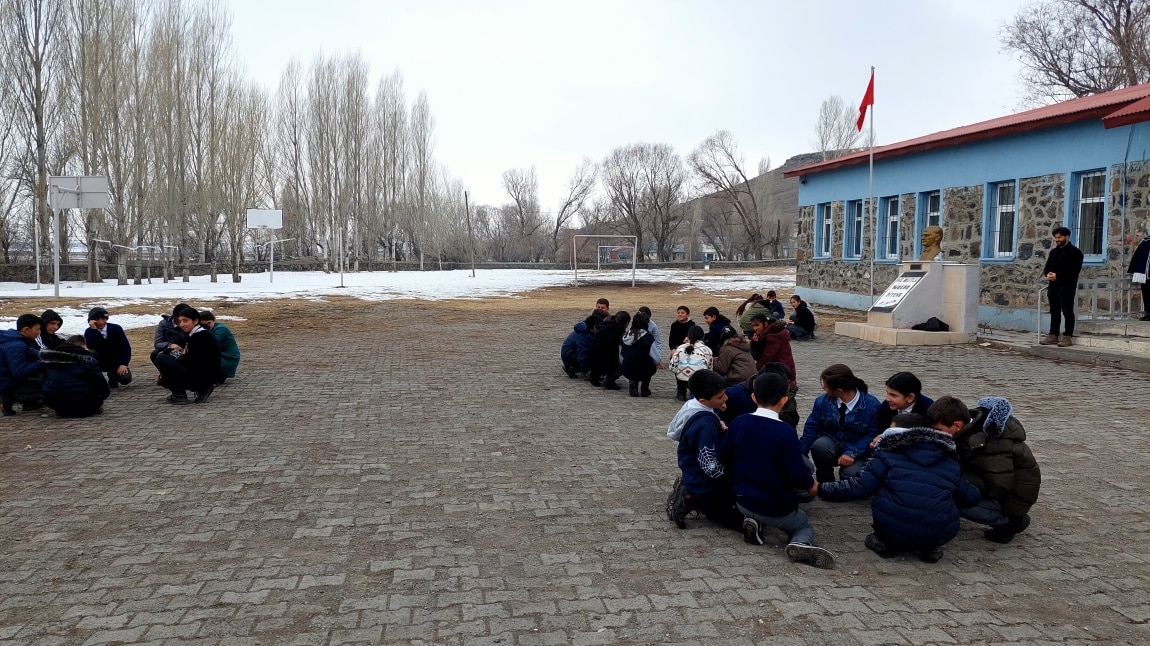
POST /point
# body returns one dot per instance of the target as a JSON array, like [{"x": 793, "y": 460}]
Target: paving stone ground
[{"x": 420, "y": 474}]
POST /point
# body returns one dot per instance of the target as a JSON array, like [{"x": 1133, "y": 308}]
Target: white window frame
[
  {"x": 890, "y": 227},
  {"x": 927, "y": 213},
  {"x": 1095, "y": 203},
  {"x": 997, "y": 212},
  {"x": 853, "y": 230},
  {"x": 823, "y": 230}
]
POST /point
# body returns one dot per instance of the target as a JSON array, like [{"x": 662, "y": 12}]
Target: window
[
  {"x": 852, "y": 241},
  {"x": 1090, "y": 212},
  {"x": 888, "y": 236},
  {"x": 823, "y": 231},
  {"x": 1003, "y": 217},
  {"x": 931, "y": 205}
]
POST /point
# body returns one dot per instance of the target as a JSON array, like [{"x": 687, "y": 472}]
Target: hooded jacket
[
  {"x": 734, "y": 361},
  {"x": 757, "y": 307},
  {"x": 697, "y": 428},
  {"x": 576, "y": 350},
  {"x": 995, "y": 458},
  {"x": 74, "y": 385},
  {"x": 229, "y": 349},
  {"x": 47, "y": 339},
  {"x": 604, "y": 352},
  {"x": 715, "y": 333},
  {"x": 167, "y": 333},
  {"x": 638, "y": 364},
  {"x": 917, "y": 485},
  {"x": 775, "y": 346},
  {"x": 18, "y": 360}
]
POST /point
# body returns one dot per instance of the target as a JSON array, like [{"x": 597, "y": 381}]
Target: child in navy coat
[{"x": 918, "y": 488}]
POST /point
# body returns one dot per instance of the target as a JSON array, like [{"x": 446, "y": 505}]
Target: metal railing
[{"x": 1097, "y": 299}]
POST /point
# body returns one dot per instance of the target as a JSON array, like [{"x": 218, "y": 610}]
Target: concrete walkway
[{"x": 439, "y": 480}]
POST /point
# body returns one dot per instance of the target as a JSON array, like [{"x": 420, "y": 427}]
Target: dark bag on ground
[{"x": 932, "y": 324}]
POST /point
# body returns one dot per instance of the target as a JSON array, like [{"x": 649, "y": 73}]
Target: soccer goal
[{"x": 606, "y": 255}]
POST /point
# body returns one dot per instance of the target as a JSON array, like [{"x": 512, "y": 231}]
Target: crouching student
[
  {"x": 703, "y": 485},
  {"x": 638, "y": 363},
  {"x": 21, "y": 373},
  {"x": 766, "y": 468},
  {"x": 918, "y": 488},
  {"x": 576, "y": 349},
  {"x": 197, "y": 368},
  {"x": 994, "y": 457},
  {"x": 74, "y": 385},
  {"x": 229, "y": 349}
]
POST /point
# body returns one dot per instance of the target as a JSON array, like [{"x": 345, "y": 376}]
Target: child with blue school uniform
[
  {"x": 917, "y": 486},
  {"x": 576, "y": 350}
]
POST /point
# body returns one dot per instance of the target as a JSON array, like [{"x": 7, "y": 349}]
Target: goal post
[{"x": 575, "y": 252}]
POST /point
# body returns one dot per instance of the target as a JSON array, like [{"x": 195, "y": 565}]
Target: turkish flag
[{"x": 868, "y": 100}]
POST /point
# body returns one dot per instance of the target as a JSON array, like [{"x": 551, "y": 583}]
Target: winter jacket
[
  {"x": 917, "y": 485},
  {"x": 734, "y": 361},
  {"x": 18, "y": 360},
  {"x": 739, "y": 402},
  {"x": 804, "y": 318},
  {"x": 764, "y": 463},
  {"x": 698, "y": 450},
  {"x": 49, "y": 341},
  {"x": 113, "y": 351},
  {"x": 604, "y": 352},
  {"x": 1066, "y": 263},
  {"x": 678, "y": 334},
  {"x": 167, "y": 333},
  {"x": 1140, "y": 263},
  {"x": 229, "y": 349},
  {"x": 636, "y": 350},
  {"x": 758, "y": 307},
  {"x": 777, "y": 309},
  {"x": 715, "y": 333},
  {"x": 201, "y": 359},
  {"x": 576, "y": 350},
  {"x": 886, "y": 413},
  {"x": 685, "y": 363},
  {"x": 74, "y": 385},
  {"x": 860, "y": 427},
  {"x": 999, "y": 463},
  {"x": 775, "y": 346}
]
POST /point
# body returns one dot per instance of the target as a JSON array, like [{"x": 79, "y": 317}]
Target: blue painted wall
[{"x": 1067, "y": 149}]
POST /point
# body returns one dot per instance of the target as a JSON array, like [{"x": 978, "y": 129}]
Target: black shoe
[
  {"x": 646, "y": 392},
  {"x": 751, "y": 532},
  {"x": 177, "y": 399},
  {"x": 932, "y": 555},
  {"x": 611, "y": 385},
  {"x": 677, "y": 506},
  {"x": 567, "y": 369},
  {"x": 875, "y": 544},
  {"x": 8, "y": 410},
  {"x": 595, "y": 382},
  {"x": 1007, "y": 532},
  {"x": 811, "y": 555},
  {"x": 203, "y": 395},
  {"x": 633, "y": 389}
]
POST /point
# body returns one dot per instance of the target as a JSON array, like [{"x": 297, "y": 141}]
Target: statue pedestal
[{"x": 946, "y": 290}]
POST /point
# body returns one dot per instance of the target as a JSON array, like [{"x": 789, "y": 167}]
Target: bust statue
[{"x": 931, "y": 243}]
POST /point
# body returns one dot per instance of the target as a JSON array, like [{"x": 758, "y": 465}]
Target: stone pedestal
[{"x": 948, "y": 291}]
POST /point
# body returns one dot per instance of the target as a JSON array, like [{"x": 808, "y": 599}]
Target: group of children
[
  {"x": 925, "y": 463},
  {"x": 73, "y": 376},
  {"x": 605, "y": 346}
]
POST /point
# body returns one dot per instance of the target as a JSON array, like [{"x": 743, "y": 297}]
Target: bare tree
[
  {"x": 522, "y": 186},
  {"x": 421, "y": 141},
  {"x": 664, "y": 178},
  {"x": 719, "y": 165},
  {"x": 623, "y": 183},
  {"x": 836, "y": 132},
  {"x": 1074, "y": 48},
  {"x": 579, "y": 189}
]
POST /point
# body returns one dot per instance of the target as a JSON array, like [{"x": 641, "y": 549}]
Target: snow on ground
[{"x": 372, "y": 286}]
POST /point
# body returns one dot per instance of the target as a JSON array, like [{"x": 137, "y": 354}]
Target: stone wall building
[{"x": 997, "y": 189}]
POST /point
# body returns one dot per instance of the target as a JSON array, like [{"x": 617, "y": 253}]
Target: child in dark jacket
[
  {"x": 679, "y": 329},
  {"x": 73, "y": 383},
  {"x": 109, "y": 344},
  {"x": 740, "y": 401},
  {"x": 638, "y": 364},
  {"x": 604, "y": 357},
  {"x": 703, "y": 485},
  {"x": 918, "y": 488},
  {"x": 766, "y": 467},
  {"x": 715, "y": 324},
  {"x": 197, "y": 368},
  {"x": 576, "y": 350}
]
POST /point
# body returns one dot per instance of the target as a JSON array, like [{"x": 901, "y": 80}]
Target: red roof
[{"x": 1117, "y": 108}]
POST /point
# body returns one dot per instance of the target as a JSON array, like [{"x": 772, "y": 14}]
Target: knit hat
[
  {"x": 97, "y": 313},
  {"x": 50, "y": 315},
  {"x": 998, "y": 412}
]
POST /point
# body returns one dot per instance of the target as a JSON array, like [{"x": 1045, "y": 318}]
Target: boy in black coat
[
  {"x": 110, "y": 345},
  {"x": 197, "y": 368},
  {"x": 605, "y": 351},
  {"x": 74, "y": 386}
]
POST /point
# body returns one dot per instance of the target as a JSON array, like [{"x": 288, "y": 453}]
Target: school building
[{"x": 997, "y": 189}]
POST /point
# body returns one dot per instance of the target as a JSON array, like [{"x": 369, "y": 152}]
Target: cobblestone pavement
[{"x": 429, "y": 476}]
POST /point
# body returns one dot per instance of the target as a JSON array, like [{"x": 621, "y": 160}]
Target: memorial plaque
[{"x": 897, "y": 291}]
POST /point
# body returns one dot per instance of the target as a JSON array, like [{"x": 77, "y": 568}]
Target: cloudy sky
[{"x": 513, "y": 83}]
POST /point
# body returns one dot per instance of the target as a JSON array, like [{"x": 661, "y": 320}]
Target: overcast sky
[{"x": 513, "y": 83}]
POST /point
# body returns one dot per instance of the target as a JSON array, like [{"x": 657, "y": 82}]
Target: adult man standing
[{"x": 1063, "y": 265}]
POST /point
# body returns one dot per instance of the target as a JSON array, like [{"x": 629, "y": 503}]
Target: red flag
[{"x": 868, "y": 100}]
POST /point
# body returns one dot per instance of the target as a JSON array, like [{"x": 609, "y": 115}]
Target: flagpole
[{"x": 870, "y": 200}]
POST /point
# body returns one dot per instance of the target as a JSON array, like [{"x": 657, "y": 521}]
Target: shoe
[
  {"x": 677, "y": 505},
  {"x": 681, "y": 396},
  {"x": 8, "y": 410},
  {"x": 932, "y": 555},
  {"x": 1007, "y": 532},
  {"x": 811, "y": 555},
  {"x": 595, "y": 382},
  {"x": 645, "y": 392},
  {"x": 611, "y": 385},
  {"x": 751, "y": 532},
  {"x": 875, "y": 544},
  {"x": 202, "y": 396},
  {"x": 177, "y": 399},
  {"x": 567, "y": 369},
  {"x": 1049, "y": 339},
  {"x": 1066, "y": 341},
  {"x": 633, "y": 389}
]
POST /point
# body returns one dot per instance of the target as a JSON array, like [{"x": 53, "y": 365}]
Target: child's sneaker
[
  {"x": 811, "y": 555},
  {"x": 751, "y": 532},
  {"x": 677, "y": 508},
  {"x": 1007, "y": 532},
  {"x": 875, "y": 544}
]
